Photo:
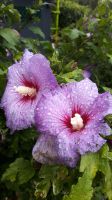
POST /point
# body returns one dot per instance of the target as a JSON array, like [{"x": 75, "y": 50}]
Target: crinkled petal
[
  {"x": 17, "y": 71},
  {"x": 55, "y": 108},
  {"x": 40, "y": 70},
  {"x": 50, "y": 149},
  {"x": 110, "y": 104},
  {"x": 101, "y": 107},
  {"x": 81, "y": 94},
  {"x": 68, "y": 149},
  {"x": 45, "y": 150},
  {"x": 51, "y": 112},
  {"x": 31, "y": 70},
  {"x": 19, "y": 114},
  {"x": 89, "y": 140},
  {"x": 26, "y": 56},
  {"x": 35, "y": 69}
]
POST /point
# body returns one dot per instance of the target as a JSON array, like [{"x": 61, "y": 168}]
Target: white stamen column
[
  {"x": 24, "y": 91},
  {"x": 77, "y": 122}
]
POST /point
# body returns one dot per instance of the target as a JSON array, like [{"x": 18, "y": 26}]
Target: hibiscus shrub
[{"x": 56, "y": 108}]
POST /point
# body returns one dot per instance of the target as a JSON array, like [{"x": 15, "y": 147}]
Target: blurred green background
[{"x": 76, "y": 36}]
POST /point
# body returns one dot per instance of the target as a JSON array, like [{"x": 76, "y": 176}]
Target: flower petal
[
  {"x": 54, "y": 109},
  {"x": 101, "y": 107},
  {"x": 89, "y": 140},
  {"x": 51, "y": 112},
  {"x": 50, "y": 149},
  {"x": 39, "y": 69},
  {"x": 45, "y": 150},
  {"x": 81, "y": 94},
  {"x": 31, "y": 71},
  {"x": 68, "y": 149},
  {"x": 19, "y": 114}
]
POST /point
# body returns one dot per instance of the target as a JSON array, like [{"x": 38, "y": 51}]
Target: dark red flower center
[
  {"x": 77, "y": 121},
  {"x": 28, "y": 90}
]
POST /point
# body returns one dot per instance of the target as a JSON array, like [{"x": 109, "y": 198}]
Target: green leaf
[
  {"x": 107, "y": 89},
  {"x": 91, "y": 163},
  {"x": 2, "y": 72},
  {"x": 37, "y": 31},
  {"x": 82, "y": 190},
  {"x": 2, "y": 83},
  {"x": 108, "y": 137},
  {"x": 20, "y": 171},
  {"x": 108, "y": 120},
  {"x": 108, "y": 155},
  {"x": 10, "y": 35},
  {"x": 42, "y": 189},
  {"x": 76, "y": 75},
  {"x": 105, "y": 168},
  {"x": 73, "y": 33},
  {"x": 50, "y": 176},
  {"x": 110, "y": 58},
  {"x": 57, "y": 186}
]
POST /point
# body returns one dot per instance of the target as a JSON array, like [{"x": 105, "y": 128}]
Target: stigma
[
  {"x": 77, "y": 122},
  {"x": 25, "y": 91}
]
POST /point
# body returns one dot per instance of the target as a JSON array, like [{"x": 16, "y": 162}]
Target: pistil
[
  {"x": 25, "y": 91},
  {"x": 77, "y": 122}
]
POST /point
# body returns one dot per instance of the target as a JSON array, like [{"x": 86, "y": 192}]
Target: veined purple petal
[
  {"x": 54, "y": 111},
  {"x": 67, "y": 149},
  {"x": 50, "y": 112},
  {"x": 27, "y": 81},
  {"x": 45, "y": 150},
  {"x": 50, "y": 149},
  {"x": 82, "y": 94},
  {"x": 101, "y": 106},
  {"x": 74, "y": 114}
]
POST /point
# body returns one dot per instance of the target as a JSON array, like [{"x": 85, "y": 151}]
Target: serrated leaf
[
  {"x": 90, "y": 161},
  {"x": 82, "y": 190},
  {"x": 108, "y": 155},
  {"x": 42, "y": 189},
  {"x": 19, "y": 171},
  {"x": 55, "y": 175},
  {"x": 90, "y": 164},
  {"x": 57, "y": 186},
  {"x": 105, "y": 168}
]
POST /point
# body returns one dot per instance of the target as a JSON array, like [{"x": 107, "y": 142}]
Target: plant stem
[{"x": 57, "y": 20}]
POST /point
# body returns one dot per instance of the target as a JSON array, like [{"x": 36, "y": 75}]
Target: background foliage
[{"x": 84, "y": 43}]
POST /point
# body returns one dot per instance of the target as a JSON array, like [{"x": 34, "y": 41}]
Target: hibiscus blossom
[
  {"x": 27, "y": 80},
  {"x": 74, "y": 114}
]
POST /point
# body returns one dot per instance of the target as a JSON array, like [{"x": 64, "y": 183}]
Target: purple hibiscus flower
[
  {"x": 27, "y": 80},
  {"x": 74, "y": 115}
]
